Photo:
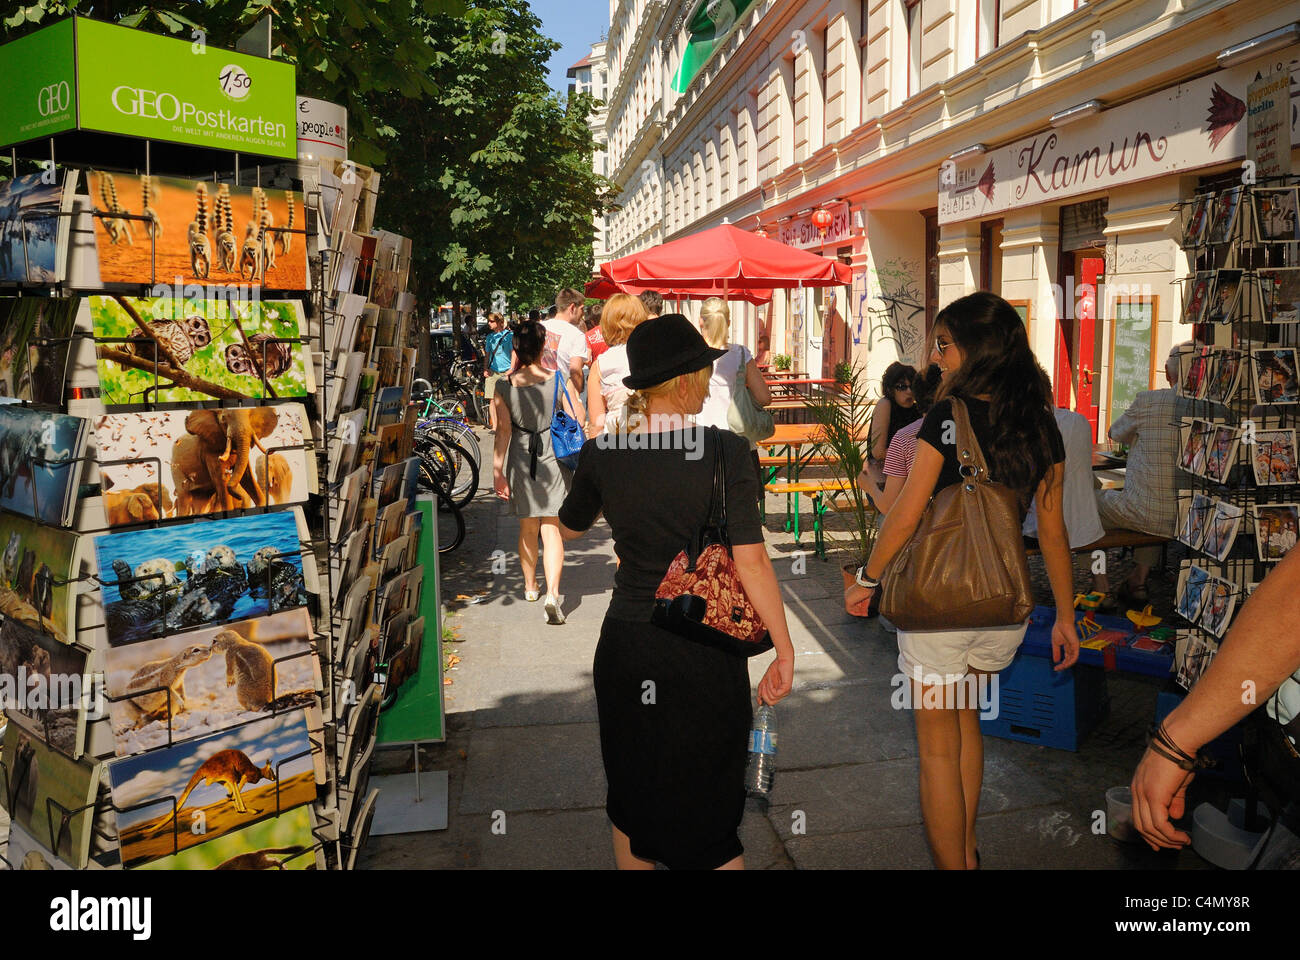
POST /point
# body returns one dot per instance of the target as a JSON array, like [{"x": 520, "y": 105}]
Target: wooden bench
[
  {"x": 770, "y": 468},
  {"x": 1114, "y": 539},
  {"x": 822, "y": 493}
]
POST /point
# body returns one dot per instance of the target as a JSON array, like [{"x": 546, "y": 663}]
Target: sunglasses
[{"x": 942, "y": 345}]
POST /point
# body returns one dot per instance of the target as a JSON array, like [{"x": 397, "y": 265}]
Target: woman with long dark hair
[
  {"x": 895, "y": 410},
  {"x": 983, "y": 353}
]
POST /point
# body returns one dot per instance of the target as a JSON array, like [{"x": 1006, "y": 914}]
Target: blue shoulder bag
[{"x": 566, "y": 433}]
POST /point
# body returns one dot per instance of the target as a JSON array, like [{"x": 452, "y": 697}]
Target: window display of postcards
[
  {"x": 1273, "y": 457},
  {"x": 1276, "y": 528},
  {"x": 1196, "y": 436},
  {"x": 1223, "y": 303},
  {"x": 1196, "y": 214},
  {"x": 1223, "y": 216},
  {"x": 1276, "y": 220},
  {"x": 1221, "y": 529},
  {"x": 1280, "y": 293},
  {"x": 1197, "y": 295},
  {"x": 1225, "y": 370},
  {"x": 1274, "y": 372}
]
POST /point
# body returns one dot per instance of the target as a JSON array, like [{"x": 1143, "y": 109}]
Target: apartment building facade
[{"x": 1037, "y": 148}]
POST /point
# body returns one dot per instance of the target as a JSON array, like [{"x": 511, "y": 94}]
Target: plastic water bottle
[{"x": 762, "y": 752}]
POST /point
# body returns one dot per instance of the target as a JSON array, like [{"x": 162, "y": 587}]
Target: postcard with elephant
[
  {"x": 36, "y": 564},
  {"x": 181, "y": 463},
  {"x": 199, "y": 682},
  {"x": 40, "y": 463},
  {"x": 177, "y": 350},
  {"x": 199, "y": 231},
  {"x": 39, "y": 786},
  {"x": 207, "y": 788},
  {"x": 162, "y": 580}
]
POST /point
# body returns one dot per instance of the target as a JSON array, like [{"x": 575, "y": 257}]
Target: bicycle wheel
[
  {"x": 448, "y": 517},
  {"x": 456, "y": 470},
  {"x": 456, "y": 431}
]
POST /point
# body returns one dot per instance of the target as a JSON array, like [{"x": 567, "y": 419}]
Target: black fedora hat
[{"x": 665, "y": 347}]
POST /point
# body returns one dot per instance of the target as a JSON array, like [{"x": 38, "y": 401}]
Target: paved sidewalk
[{"x": 523, "y": 747}]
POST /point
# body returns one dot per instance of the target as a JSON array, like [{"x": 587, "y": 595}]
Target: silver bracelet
[{"x": 869, "y": 583}]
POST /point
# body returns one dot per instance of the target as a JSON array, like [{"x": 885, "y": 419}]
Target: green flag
[{"x": 712, "y": 23}]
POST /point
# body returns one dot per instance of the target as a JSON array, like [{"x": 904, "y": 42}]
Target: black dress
[{"x": 674, "y": 715}]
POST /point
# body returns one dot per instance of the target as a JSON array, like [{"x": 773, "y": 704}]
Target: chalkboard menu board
[{"x": 1134, "y": 321}]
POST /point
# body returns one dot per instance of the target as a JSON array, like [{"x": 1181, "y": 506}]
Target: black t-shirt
[
  {"x": 656, "y": 500},
  {"x": 934, "y": 427}
]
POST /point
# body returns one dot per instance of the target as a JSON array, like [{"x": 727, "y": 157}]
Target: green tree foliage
[{"x": 495, "y": 182}]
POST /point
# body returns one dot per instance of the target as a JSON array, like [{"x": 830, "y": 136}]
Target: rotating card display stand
[
  {"x": 1238, "y": 489},
  {"x": 337, "y": 743}
]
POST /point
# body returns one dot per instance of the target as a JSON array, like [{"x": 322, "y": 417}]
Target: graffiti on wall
[{"x": 890, "y": 308}]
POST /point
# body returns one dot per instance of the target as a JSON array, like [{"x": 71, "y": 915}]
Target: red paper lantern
[
  {"x": 821, "y": 219},
  {"x": 760, "y": 232}
]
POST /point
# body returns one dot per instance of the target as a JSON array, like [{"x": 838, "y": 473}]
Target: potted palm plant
[
  {"x": 845, "y": 419},
  {"x": 843, "y": 374}
]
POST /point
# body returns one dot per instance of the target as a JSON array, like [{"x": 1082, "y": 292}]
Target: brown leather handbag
[
  {"x": 701, "y": 597},
  {"x": 965, "y": 566}
]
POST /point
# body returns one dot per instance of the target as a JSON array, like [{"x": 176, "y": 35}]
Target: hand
[
  {"x": 857, "y": 598},
  {"x": 500, "y": 486},
  {"x": 777, "y": 681},
  {"x": 1159, "y": 795},
  {"x": 1065, "y": 642}
]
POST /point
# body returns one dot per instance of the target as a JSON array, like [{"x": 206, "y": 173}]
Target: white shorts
[{"x": 951, "y": 654}]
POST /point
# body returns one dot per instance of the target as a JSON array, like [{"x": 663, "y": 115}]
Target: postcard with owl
[{"x": 168, "y": 349}]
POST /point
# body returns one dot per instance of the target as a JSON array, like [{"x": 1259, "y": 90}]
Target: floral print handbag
[{"x": 701, "y": 597}]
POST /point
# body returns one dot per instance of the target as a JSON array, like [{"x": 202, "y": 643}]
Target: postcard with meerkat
[
  {"x": 200, "y": 682},
  {"x": 199, "y": 231},
  {"x": 170, "y": 800},
  {"x": 182, "y": 463}
]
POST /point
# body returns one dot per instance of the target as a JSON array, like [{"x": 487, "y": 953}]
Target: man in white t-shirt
[
  {"x": 1082, "y": 521},
  {"x": 566, "y": 348}
]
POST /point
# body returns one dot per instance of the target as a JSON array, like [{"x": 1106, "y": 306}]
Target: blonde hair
[
  {"x": 620, "y": 317},
  {"x": 638, "y": 401},
  {"x": 715, "y": 322}
]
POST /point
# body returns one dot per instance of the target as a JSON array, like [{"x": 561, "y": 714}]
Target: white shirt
[
  {"x": 1082, "y": 521},
  {"x": 563, "y": 343},
  {"x": 613, "y": 368},
  {"x": 718, "y": 402}
]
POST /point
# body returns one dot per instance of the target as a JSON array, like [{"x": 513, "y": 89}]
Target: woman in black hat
[{"x": 674, "y": 713}]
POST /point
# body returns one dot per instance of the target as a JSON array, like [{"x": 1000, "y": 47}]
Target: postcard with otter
[
  {"x": 181, "y": 463},
  {"x": 203, "y": 789},
  {"x": 36, "y": 563},
  {"x": 44, "y": 686},
  {"x": 175, "y": 350},
  {"x": 163, "y": 580},
  {"x": 39, "y": 785},
  {"x": 199, "y": 231},
  {"x": 40, "y": 468},
  {"x": 196, "y": 683}
]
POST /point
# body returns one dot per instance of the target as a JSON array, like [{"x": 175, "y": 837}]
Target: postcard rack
[
  {"x": 338, "y": 740},
  {"x": 1238, "y": 490}
]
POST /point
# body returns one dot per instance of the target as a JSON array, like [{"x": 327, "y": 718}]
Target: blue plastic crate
[{"x": 1038, "y": 705}]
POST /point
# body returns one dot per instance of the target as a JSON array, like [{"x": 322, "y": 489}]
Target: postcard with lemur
[
  {"x": 44, "y": 686},
  {"x": 162, "y": 580},
  {"x": 203, "y": 789},
  {"x": 36, "y": 564},
  {"x": 194, "y": 684},
  {"x": 33, "y": 230},
  {"x": 181, "y": 463},
  {"x": 40, "y": 786},
  {"x": 33, "y": 353},
  {"x": 169, "y": 349},
  {"x": 281, "y": 843},
  {"x": 40, "y": 463},
  {"x": 198, "y": 231}
]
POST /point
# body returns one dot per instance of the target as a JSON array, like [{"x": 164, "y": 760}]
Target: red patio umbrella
[
  {"x": 603, "y": 288},
  {"x": 726, "y": 260}
]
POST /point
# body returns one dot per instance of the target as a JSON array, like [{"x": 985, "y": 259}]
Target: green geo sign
[
  {"x": 40, "y": 82},
  {"x": 158, "y": 88}
]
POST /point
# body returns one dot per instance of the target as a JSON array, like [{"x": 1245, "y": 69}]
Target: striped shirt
[{"x": 902, "y": 451}]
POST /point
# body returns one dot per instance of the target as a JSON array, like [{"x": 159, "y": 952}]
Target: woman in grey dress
[{"x": 525, "y": 471}]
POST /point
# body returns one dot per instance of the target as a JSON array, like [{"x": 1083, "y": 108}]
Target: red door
[{"x": 1091, "y": 273}]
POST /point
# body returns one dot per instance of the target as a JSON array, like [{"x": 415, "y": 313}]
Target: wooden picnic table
[{"x": 798, "y": 443}]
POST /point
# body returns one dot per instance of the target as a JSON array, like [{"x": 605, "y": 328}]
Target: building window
[
  {"x": 914, "y": 28},
  {"x": 987, "y": 22}
]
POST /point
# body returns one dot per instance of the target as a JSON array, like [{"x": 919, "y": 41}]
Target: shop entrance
[{"x": 1081, "y": 270}]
